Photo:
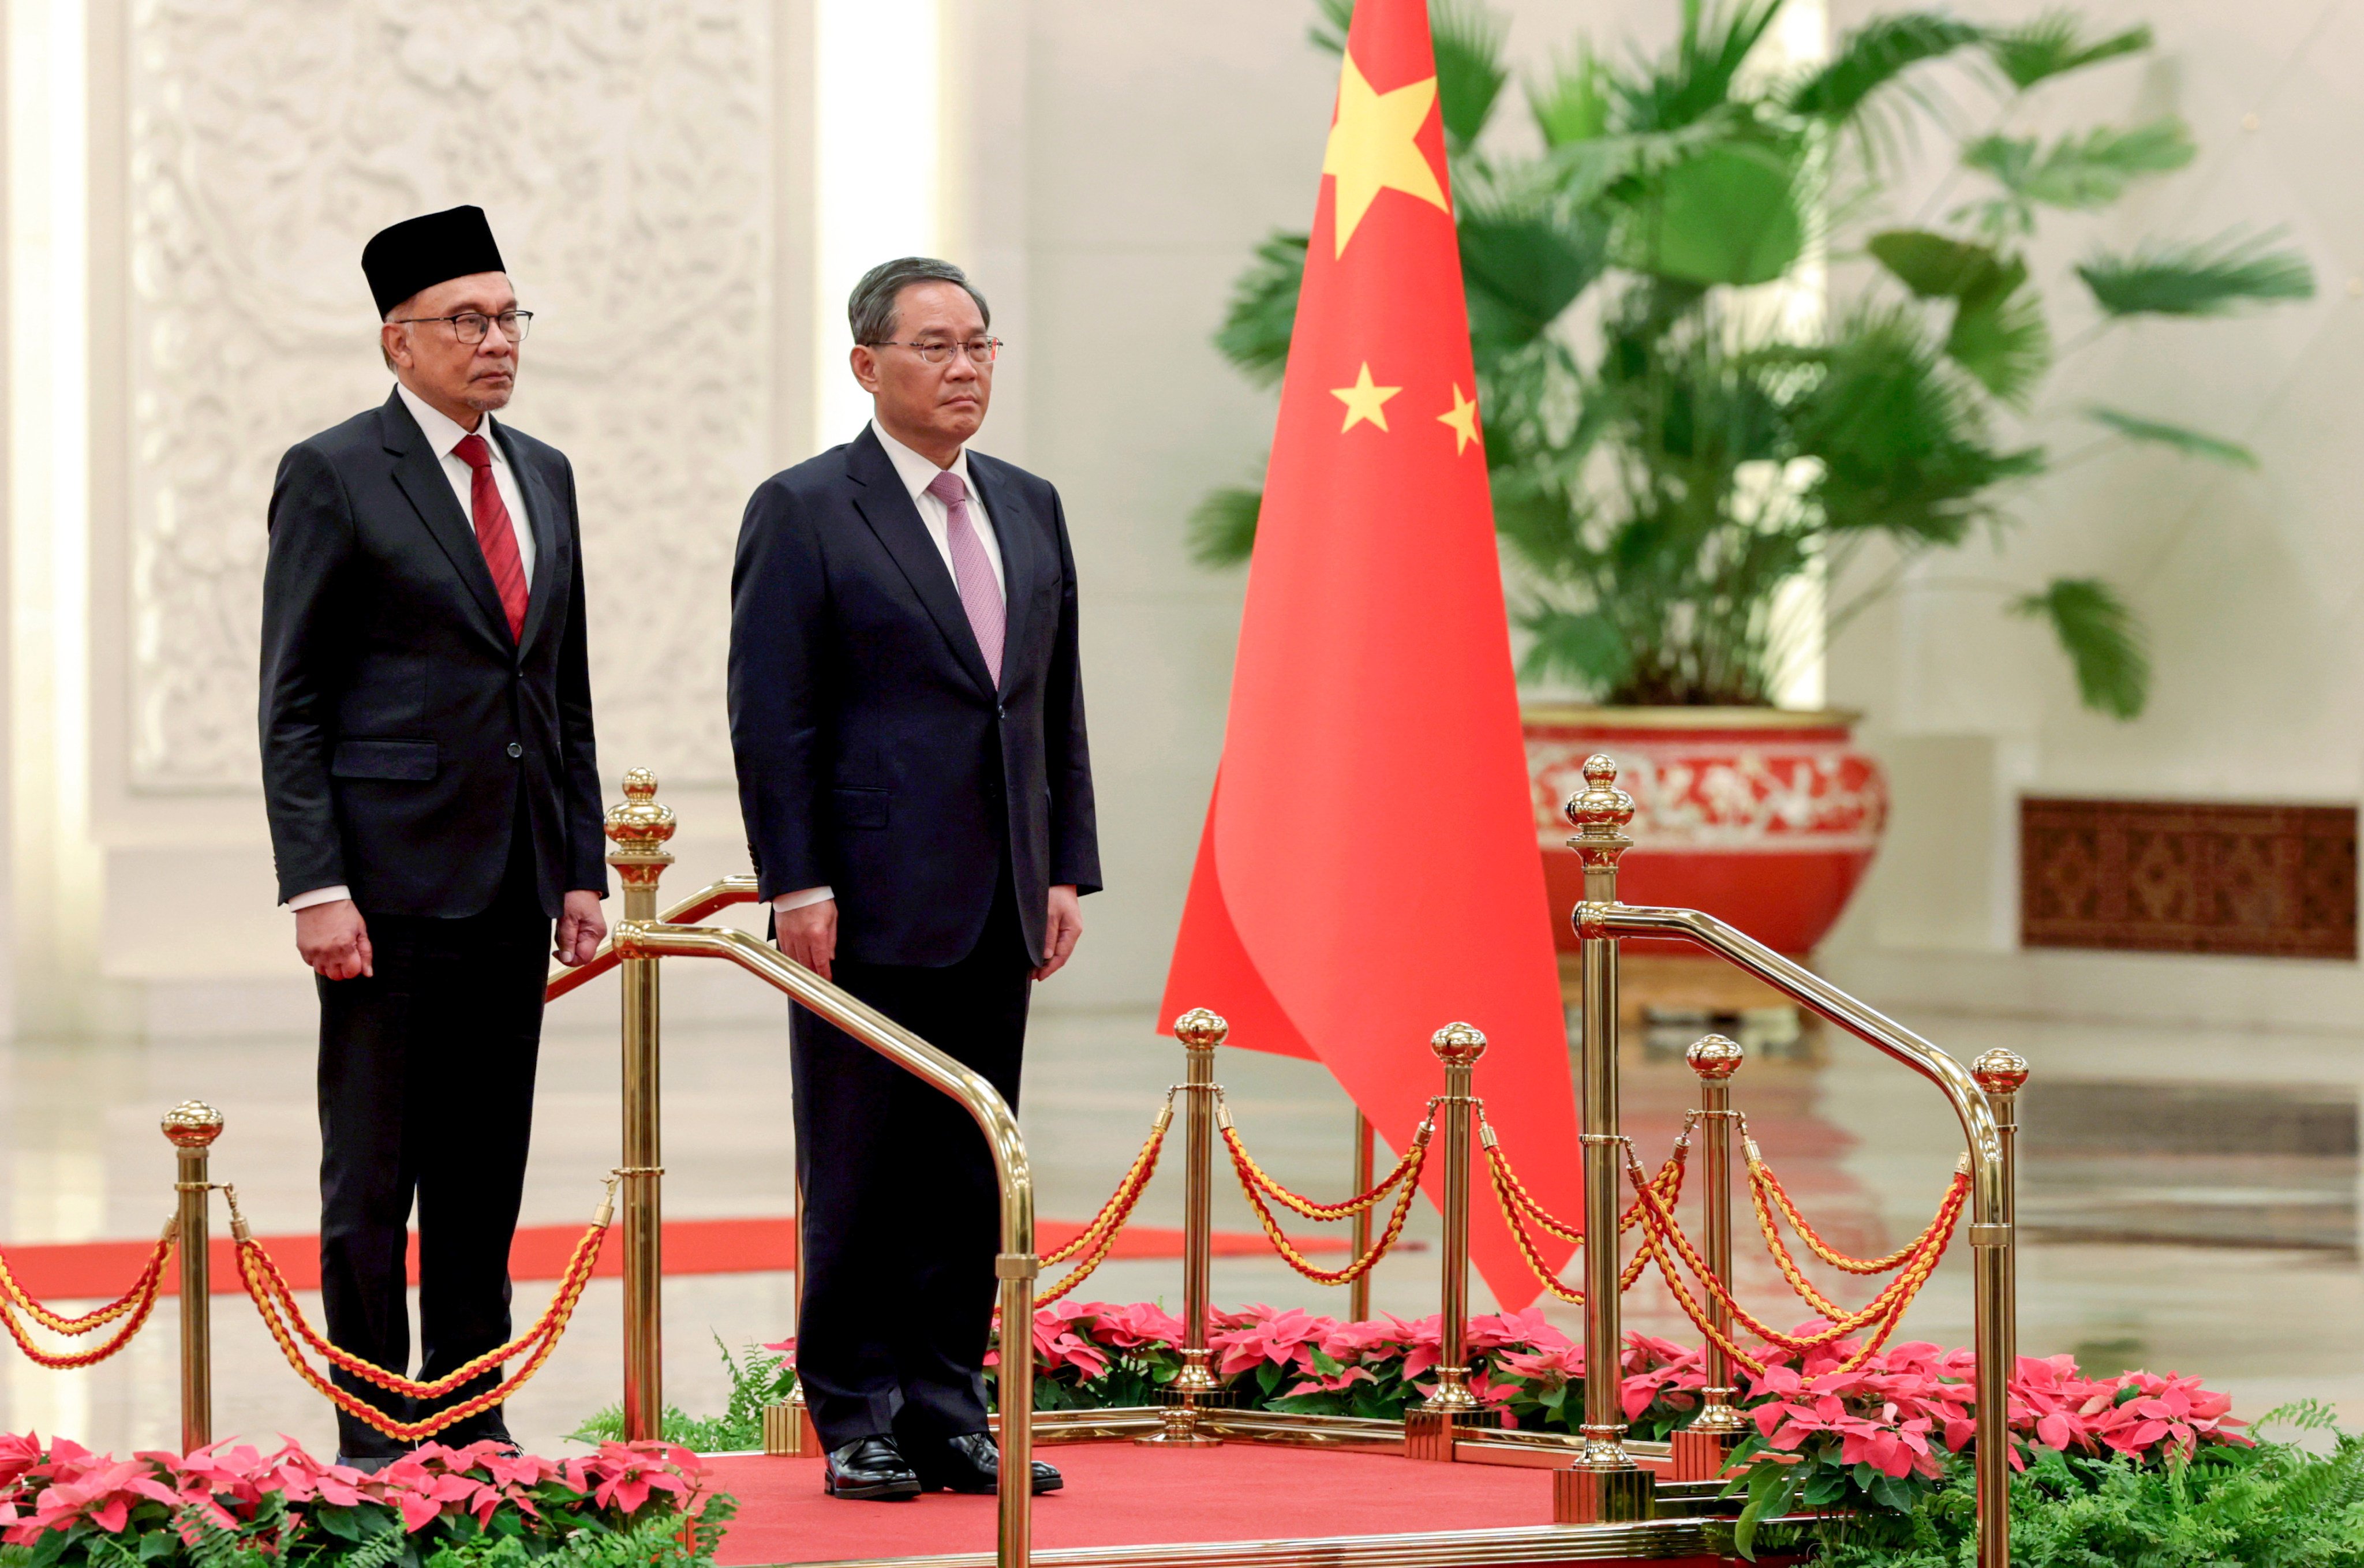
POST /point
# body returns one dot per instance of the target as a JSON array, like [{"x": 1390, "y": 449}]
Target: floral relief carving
[{"x": 623, "y": 148}]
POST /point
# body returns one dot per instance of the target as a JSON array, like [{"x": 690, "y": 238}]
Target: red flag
[{"x": 1368, "y": 871}]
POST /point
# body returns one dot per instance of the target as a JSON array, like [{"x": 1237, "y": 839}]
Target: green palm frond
[
  {"x": 1522, "y": 264},
  {"x": 1469, "y": 70},
  {"x": 1584, "y": 646},
  {"x": 1696, "y": 79},
  {"x": 2054, "y": 45},
  {"x": 1875, "y": 55},
  {"x": 1572, "y": 103},
  {"x": 1329, "y": 30},
  {"x": 1263, "y": 312},
  {"x": 2208, "y": 277},
  {"x": 1730, "y": 216},
  {"x": 1937, "y": 266},
  {"x": 2077, "y": 173},
  {"x": 2102, "y": 638},
  {"x": 2190, "y": 442},
  {"x": 1222, "y": 527},
  {"x": 2001, "y": 337}
]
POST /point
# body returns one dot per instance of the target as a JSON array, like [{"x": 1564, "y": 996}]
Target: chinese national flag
[{"x": 1368, "y": 871}]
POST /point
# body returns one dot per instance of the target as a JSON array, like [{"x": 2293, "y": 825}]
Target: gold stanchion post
[
  {"x": 1994, "y": 1282},
  {"x": 1430, "y": 1428},
  {"x": 1700, "y": 1448},
  {"x": 191, "y": 1127},
  {"x": 1604, "y": 1485},
  {"x": 1196, "y": 1385},
  {"x": 638, "y": 831},
  {"x": 1358, "y": 1294}
]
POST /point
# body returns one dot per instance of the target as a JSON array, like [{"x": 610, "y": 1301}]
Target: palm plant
[{"x": 1682, "y": 430}]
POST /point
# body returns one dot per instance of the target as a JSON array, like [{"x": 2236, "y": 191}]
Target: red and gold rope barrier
[
  {"x": 1259, "y": 1186},
  {"x": 1520, "y": 1209},
  {"x": 1098, "y": 1238},
  {"x": 276, "y": 1301},
  {"x": 134, "y": 1304}
]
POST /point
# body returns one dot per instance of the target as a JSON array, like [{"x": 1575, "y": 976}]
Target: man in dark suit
[
  {"x": 909, "y": 723},
  {"x": 434, "y": 802}
]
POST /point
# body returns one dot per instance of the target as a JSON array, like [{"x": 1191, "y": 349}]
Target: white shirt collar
[
  {"x": 443, "y": 432},
  {"x": 916, "y": 472}
]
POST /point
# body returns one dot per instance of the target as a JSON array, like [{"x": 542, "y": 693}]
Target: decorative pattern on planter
[{"x": 1705, "y": 792}]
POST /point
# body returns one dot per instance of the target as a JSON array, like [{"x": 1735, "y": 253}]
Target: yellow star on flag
[
  {"x": 1463, "y": 420},
  {"x": 1363, "y": 401},
  {"x": 1371, "y": 148}
]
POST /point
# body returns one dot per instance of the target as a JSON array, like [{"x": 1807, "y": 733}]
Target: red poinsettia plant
[{"x": 63, "y": 1505}]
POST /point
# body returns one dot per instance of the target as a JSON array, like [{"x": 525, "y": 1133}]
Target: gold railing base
[
  {"x": 1701, "y": 1455},
  {"x": 1430, "y": 1434},
  {"x": 788, "y": 1432},
  {"x": 1181, "y": 1429},
  {"x": 1603, "y": 1496}
]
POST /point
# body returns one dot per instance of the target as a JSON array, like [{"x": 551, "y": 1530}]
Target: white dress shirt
[
  {"x": 442, "y": 435},
  {"x": 917, "y": 473}
]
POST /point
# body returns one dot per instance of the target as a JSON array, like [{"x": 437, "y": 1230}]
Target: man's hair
[{"x": 871, "y": 309}]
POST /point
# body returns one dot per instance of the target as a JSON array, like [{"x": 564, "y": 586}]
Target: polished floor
[{"x": 2190, "y": 1200}]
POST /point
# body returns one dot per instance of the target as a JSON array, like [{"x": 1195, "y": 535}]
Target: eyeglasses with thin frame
[
  {"x": 980, "y": 350},
  {"x": 470, "y": 326}
]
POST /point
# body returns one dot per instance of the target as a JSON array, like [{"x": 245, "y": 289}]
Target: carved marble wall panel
[{"x": 624, "y": 150}]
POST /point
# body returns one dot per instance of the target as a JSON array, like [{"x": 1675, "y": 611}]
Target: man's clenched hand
[
  {"x": 1060, "y": 930},
  {"x": 334, "y": 939},
  {"x": 582, "y": 927}
]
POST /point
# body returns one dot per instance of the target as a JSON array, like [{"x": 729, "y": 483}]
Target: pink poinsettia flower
[
  {"x": 97, "y": 1488},
  {"x": 625, "y": 1476},
  {"x": 787, "y": 1347},
  {"x": 1286, "y": 1339},
  {"x": 1500, "y": 1329},
  {"x": 1137, "y": 1327},
  {"x": 1550, "y": 1368}
]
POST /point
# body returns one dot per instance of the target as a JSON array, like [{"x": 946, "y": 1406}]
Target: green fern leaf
[
  {"x": 1263, "y": 312},
  {"x": 2103, "y": 639},
  {"x": 1875, "y": 54},
  {"x": 2190, "y": 442},
  {"x": 2212, "y": 277},
  {"x": 2054, "y": 45},
  {"x": 1223, "y": 526}
]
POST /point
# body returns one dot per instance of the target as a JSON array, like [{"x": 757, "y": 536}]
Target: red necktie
[{"x": 494, "y": 532}]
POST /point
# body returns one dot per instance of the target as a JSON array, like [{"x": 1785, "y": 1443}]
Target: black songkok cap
[{"x": 421, "y": 253}]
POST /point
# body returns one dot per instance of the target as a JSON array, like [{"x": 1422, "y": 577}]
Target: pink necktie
[{"x": 980, "y": 595}]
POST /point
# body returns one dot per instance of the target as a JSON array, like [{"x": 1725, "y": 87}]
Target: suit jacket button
[
  {"x": 999, "y": 711},
  {"x": 516, "y": 750}
]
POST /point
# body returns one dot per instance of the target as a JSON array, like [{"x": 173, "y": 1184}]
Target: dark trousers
[
  {"x": 426, "y": 1093},
  {"x": 902, "y": 1209}
]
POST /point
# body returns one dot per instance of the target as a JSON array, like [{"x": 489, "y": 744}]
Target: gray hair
[{"x": 871, "y": 309}]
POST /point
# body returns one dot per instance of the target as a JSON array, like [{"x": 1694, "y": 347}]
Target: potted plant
[{"x": 1706, "y": 461}]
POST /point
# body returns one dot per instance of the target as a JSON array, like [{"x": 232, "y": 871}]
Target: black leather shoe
[
  {"x": 872, "y": 1469},
  {"x": 972, "y": 1463}
]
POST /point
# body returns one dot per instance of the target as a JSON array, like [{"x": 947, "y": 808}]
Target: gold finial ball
[
  {"x": 192, "y": 1124},
  {"x": 1715, "y": 1058},
  {"x": 2000, "y": 1072},
  {"x": 1457, "y": 1044},
  {"x": 1600, "y": 804},
  {"x": 1199, "y": 1029},
  {"x": 639, "y": 823}
]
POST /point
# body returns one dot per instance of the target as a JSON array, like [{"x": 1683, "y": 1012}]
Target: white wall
[{"x": 2251, "y": 583}]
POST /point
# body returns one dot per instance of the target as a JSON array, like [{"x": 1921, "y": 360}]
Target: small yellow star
[
  {"x": 1463, "y": 420},
  {"x": 1372, "y": 148},
  {"x": 1363, "y": 401}
]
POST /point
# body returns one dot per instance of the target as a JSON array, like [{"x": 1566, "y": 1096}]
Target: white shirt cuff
[
  {"x": 317, "y": 895},
  {"x": 798, "y": 900}
]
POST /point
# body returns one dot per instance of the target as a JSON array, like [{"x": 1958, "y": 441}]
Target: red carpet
[
  {"x": 1122, "y": 1495},
  {"x": 84, "y": 1270}
]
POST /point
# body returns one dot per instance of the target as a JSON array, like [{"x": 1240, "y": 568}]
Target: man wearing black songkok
[{"x": 434, "y": 803}]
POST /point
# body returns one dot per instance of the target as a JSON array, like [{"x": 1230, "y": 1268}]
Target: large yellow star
[
  {"x": 1371, "y": 148},
  {"x": 1463, "y": 420},
  {"x": 1363, "y": 401}
]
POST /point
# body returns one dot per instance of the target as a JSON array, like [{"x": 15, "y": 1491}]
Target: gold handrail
[
  {"x": 1995, "y": 1310},
  {"x": 1017, "y": 1265},
  {"x": 737, "y": 888}
]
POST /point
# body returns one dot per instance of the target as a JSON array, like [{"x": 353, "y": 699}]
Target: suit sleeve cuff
[
  {"x": 799, "y": 899},
  {"x": 317, "y": 895}
]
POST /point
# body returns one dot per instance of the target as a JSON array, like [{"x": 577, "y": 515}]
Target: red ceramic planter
[{"x": 1762, "y": 818}]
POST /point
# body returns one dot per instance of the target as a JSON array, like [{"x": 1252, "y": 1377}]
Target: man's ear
[
  {"x": 865, "y": 361},
  {"x": 394, "y": 344}
]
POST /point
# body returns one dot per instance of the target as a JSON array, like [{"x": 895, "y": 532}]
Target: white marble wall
[{"x": 2252, "y": 584}]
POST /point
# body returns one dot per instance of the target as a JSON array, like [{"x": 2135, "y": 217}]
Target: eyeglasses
[
  {"x": 980, "y": 350},
  {"x": 470, "y": 326}
]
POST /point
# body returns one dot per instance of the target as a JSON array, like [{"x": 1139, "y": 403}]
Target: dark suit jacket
[
  {"x": 874, "y": 752},
  {"x": 399, "y": 718}
]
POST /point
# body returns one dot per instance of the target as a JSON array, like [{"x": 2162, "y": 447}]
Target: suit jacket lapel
[
  {"x": 1015, "y": 531},
  {"x": 540, "y": 513},
  {"x": 420, "y": 478},
  {"x": 886, "y": 506}
]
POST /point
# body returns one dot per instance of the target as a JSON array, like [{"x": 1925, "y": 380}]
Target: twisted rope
[
  {"x": 276, "y": 1302},
  {"x": 1114, "y": 1214},
  {"x": 1256, "y": 1183},
  {"x": 135, "y": 1304},
  {"x": 1519, "y": 1208}
]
